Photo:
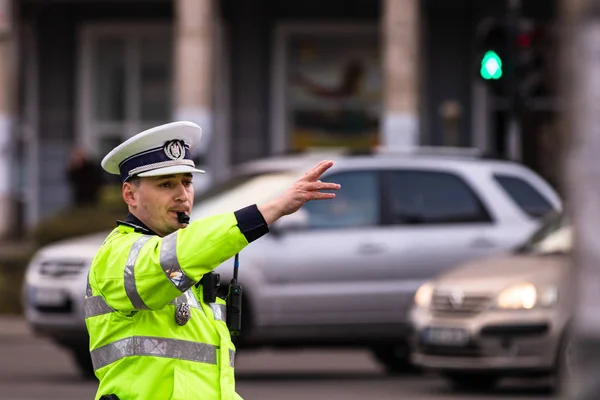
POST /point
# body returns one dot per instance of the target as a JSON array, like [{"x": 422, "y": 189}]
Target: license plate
[
  {"x": 49, "y": 297},
  {"x": 445, "y": 336}
]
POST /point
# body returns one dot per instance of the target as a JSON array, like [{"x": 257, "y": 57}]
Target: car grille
[
  {"x": 66, "y": 308},
  {"x": 449, "y": 304},
  {"x": 470, "y": 351},
  {"x": 61, "y": 268}
]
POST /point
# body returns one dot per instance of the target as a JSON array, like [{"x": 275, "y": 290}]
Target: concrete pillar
[
  {"x": 7, "y": 111},
  {"x": 194, "y": 65},
  {"x": 401, "y": 42}
]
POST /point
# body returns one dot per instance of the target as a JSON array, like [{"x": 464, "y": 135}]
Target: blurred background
[{"x": 435, "y": 274}]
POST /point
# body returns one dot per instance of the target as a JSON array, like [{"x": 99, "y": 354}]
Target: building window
[
  {"x": 329, "y": 87},
  {"x": 126, "y": 82}
]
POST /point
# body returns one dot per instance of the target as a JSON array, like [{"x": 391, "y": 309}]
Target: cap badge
[{"x": 175, "y": 149}]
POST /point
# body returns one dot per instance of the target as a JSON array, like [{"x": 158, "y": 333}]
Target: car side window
[
  {"x": 433, "y": 197},
  {"x": 524, "y": 195},
  {"x": 356, "y": 204}
]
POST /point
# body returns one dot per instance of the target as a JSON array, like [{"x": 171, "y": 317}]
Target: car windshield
[
  {"x": 241, "y": 191},
  {"x": 553, "y": 237}
]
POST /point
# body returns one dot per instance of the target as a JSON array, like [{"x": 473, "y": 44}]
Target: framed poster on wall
[{"x": 327, "y": 87}]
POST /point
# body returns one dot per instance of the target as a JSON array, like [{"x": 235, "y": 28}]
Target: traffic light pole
[
  {"x": 513, "y": 136},
  {"x": 581, "y": 90}
]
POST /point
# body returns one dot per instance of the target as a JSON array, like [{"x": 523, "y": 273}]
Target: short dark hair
[{"x": 135, "y": 180}]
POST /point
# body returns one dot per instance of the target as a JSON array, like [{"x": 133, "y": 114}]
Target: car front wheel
[
  {"x": 564, "y": 367},
  {"x": 395, "y": 358}
]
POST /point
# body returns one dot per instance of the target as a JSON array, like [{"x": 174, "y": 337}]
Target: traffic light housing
[
  {"x": 491, "y": 54},
  {"x": 533, "y": 63}
]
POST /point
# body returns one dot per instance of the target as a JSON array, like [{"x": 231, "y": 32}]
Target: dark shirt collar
[{"x": 139, "y": 226}]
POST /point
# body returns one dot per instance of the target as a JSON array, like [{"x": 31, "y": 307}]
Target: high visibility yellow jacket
[{"x": 135, "y": 283}]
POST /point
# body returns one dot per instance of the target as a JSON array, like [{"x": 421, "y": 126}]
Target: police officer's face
[{"x": 156, "y": 201}]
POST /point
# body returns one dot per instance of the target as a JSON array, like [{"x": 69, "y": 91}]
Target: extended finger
[
  {"x": 318, "y": 185},
  {"x": 318, "y": 170},
  {"x": 314, "y": 170},
  {"x": 321, "y": 196}
]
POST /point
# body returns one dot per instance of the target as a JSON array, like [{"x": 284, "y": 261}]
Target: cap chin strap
[{"x": 162, "y": 164}]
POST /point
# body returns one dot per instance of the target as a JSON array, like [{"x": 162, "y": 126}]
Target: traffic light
[
  {"x": 491, "y": 65},
  {"x": 533, "y": 63},
  {"x": 514, "y": 60},
  {"x": 491, "y": 53}
]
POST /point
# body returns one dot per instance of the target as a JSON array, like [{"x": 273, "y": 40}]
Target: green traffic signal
[{"x": 491, "y": 65}]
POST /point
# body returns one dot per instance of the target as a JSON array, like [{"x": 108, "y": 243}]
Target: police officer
[{"x": 153, "y": 334}]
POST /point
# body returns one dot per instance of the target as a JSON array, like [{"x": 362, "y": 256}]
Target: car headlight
[
  {"x": 423, "y": 295},
  {"x": 526, "y": 296},
  {"x": 521, "y": 295}
]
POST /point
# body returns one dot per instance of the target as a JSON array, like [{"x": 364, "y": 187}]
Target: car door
[
  {"x": 434, "y": 221},
  {"x": 319, "y": 275}
]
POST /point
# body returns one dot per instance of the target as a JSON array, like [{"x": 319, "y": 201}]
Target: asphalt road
[{"x": 34, "y": 369}]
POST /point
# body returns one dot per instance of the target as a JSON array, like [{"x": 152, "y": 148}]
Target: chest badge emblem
[{"x": 182, "y": 314}]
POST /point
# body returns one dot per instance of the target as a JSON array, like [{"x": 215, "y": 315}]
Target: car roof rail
[
  {"x": 311, "y": 151},
  {"x": 326, "y": 150},
  {"x": 468, "y": 152}
]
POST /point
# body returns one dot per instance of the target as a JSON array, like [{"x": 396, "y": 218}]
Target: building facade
[{"x": 260, "y": 76}]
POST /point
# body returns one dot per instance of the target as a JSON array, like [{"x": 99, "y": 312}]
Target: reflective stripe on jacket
[{"x": 135, "y": 283}]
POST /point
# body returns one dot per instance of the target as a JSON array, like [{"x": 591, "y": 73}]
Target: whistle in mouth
[{"x": 183, "y": 218}]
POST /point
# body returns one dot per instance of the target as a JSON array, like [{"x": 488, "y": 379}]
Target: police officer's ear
[{"x": 128, "y": 190}]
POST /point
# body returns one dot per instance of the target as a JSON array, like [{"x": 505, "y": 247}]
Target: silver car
[{"x": 342, "y": 272}]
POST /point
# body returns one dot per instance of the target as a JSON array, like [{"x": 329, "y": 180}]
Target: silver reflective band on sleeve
[
  {"x": 231, "y": 358},
  {"x": 170, "y": 263},
  {"x": 96, "y": 305},
  {"x": 130, "y": 286},
  {"x": 219, "y": 311},
  {"x": 155, "y": 347}
]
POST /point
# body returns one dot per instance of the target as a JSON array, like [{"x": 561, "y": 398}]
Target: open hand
[{"x": 303, "y": 190}]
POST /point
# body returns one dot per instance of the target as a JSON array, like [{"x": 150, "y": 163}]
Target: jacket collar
[{"x": 138, "y": 225}]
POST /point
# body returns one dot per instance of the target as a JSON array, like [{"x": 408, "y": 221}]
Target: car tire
[
  {"x": 395, "y": 358},
  {"x": 470, "y": 382},
  {"x": 83, "y": 361}
]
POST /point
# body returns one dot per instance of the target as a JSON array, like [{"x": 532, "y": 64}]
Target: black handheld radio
[{"x": 234, "y": 301}]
